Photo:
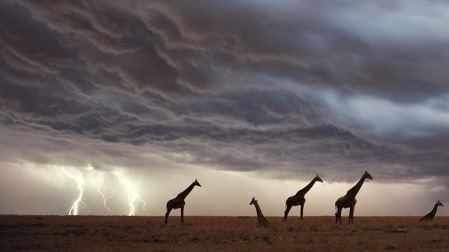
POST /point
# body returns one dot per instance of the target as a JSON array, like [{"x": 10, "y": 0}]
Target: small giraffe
[
  {"x": 298, "y": 198},
  {"x": 349, "y": 200},
  {"x": 431, "y": 215},
  {"x": 260, "y": 218},
  {"x": 179, "y": 202}
]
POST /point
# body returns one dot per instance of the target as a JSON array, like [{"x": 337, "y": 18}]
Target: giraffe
[
  {"x": 431, "y": 215},
  {"x": 349, "y": 200},
  {"x": 298, "y": 198},
  {"x": 179, "y": 202},
  {"x": 260, "y": 218}
]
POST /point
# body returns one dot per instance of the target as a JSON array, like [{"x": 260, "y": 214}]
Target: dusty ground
[{"x": 118, "y": 233}]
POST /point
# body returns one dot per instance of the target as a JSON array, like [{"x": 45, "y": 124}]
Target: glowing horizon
[
  {"x": 114, "y": 107},
  {"x": 392, "y": 200}
]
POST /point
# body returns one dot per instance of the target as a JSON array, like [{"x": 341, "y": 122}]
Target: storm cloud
[{"x": 283, "y": 87}]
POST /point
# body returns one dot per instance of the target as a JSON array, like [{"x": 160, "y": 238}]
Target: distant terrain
[{"x": 120, "y": 233}]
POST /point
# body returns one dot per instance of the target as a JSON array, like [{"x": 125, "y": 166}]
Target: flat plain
[{"x": 122, "y": 233}]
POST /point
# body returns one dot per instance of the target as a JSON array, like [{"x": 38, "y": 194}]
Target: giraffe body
[
  {"x": 262, "y": 221},
  {"x": 179, "y": 201},
  {"x": 349, "y": 200},
  {"x": 346, "y": 201},
  {"x": 295, "y": 200},
  {"x": 298, "y": 199},
  {"x": 431, "y": 214},
  {"x": 175, "y": 203}
]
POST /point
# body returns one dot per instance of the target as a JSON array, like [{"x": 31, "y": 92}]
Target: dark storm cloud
[
  {"x": 315, "y": 43},
  {"x": 236, "y": 85}
]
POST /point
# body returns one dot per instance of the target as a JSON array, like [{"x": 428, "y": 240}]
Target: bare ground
[{"x": 120, "y": 233}]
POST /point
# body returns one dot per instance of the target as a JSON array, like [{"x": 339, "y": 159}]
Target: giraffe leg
[
  {"x": 167, "y": 214},
  {"x": 351, "y": 215},
  {"x": 182, "y": 214},
  {"x": 287, "y": 210},
  {"x": 338, "y": 216},
  {"x": 302, "y": 211}
]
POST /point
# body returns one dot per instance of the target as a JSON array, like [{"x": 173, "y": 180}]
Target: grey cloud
[
  {"x": 320, "y": 49},
  {"x": 231, "y": 83},
  {"x": 240, "y": 37}
]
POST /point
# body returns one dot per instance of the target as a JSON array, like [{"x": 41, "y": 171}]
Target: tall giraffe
[
  {"x": 298, "y": 198},
  {"x": 431, "y": 215},
  {"x": 179, "y": 202},
  {"x": 349, "y": 200},
  {"x": 260, "y": 218}
]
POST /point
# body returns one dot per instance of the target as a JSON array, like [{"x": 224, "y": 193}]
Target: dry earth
[{"x": 119, "y": 233}]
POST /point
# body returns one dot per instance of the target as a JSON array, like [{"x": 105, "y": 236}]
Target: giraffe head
[
  {"x": 196, "y": 183},
  {"x": 253, "y": 201},
  {"x": 439, "y": 203},
  {"x": 366, "y": 175},
  {"x": 317, "y": 178}
]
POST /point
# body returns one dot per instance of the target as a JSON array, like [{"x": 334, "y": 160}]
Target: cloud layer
[{"x": 286, "y": 88}]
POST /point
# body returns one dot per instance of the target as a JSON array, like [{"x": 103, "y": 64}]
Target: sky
[{"x": 134, "y": 100}]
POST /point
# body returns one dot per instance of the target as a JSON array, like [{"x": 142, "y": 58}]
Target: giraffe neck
[
  {"x": 186, "y": 192},
  {"x": 354, "y": 190},
  {"x": 434, "y": 210},
  {"x": 307, "y": 187},
  {"x": 258, "y": 211}
]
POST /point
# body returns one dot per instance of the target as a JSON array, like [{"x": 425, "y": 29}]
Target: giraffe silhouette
[
  {"x": 298, "y": 199},
  {"x": 431, "y": 214},
  {"x": 260, "y": 218},
  {"x": 349, "y": 200},
  {"x": 179, "y": 202}
]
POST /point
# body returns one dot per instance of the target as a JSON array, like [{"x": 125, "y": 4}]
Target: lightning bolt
[
  {"x": 77, "y": 176},
  {"x": 131, "y": 191},
  {"x": 104, "y": 198},
  {"x": 97, "y": 180}
]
